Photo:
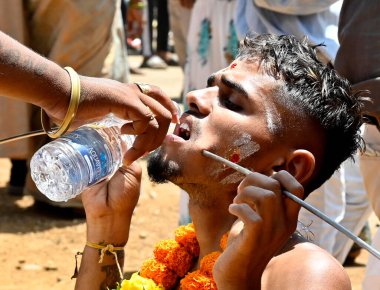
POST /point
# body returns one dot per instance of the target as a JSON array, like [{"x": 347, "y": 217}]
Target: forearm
[
  {"x": 94, "y": 275},
  {"x": 27, "y": 76}
]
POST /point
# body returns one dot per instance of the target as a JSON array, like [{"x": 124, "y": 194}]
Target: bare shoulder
[{"x": 303, "y": 265}]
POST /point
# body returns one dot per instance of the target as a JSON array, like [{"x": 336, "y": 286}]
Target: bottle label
[{"x": 95, "y": 151}]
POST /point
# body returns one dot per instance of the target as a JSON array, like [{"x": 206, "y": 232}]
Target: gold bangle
[{"x": 71, "y": 111}]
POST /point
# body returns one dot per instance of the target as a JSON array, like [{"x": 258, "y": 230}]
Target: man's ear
[{"x": 300, "y": 163}]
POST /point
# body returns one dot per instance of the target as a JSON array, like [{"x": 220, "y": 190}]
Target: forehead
[
  {"x": 245, "y": 77},
  {"x": 246, "y": 80}
]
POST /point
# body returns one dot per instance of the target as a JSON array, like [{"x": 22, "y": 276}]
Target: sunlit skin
[
  {"x": 235, "y": 102},
  {"x": 218, "y": 114},
  {"x": 238, "y": 109},
  {"x": 266, "y": 113},
  {"x": 238, "y": 100}
]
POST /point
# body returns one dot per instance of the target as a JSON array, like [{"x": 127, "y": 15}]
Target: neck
[{"x": 211, "y": 222}]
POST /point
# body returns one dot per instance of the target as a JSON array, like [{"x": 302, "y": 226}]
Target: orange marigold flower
[
  {"x": 159, "y": 273},
  {"x": 185, "y": 235},
  {"x": 223, "y": 241},
  {"x": 174, "y": 256},
  {"x": 195, "y": 281},
  {"x": 207, "y": 263}
]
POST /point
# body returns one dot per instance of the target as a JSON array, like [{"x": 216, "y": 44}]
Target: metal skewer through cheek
[{"x": 310, "y": 208}]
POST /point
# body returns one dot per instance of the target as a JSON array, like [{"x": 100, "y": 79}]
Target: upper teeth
[{"x": 184, "y": 126}]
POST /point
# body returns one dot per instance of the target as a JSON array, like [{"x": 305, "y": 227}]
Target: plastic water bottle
[{"x": 65, "y": 167}]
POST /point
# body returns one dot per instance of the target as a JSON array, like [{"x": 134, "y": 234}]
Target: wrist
[
  {"x": 108, "y": 231},
  {"x": 56, "y": 98}
]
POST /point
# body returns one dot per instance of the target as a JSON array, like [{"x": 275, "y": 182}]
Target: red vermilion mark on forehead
[{"x": 233, "y": 65}]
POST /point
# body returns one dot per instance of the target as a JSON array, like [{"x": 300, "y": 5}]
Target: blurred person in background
[
  {"x": 155, "y": 48},
  {"x": 179, "y": 16},
  {"x": 358, "y": 59},
  {"x": 87, "y": 36}
]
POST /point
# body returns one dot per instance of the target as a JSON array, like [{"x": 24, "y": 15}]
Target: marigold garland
[
  {"x": 159, "y": 273},
  {"x": 174, "y": 256},
  {"x": 207, "y": 263},
  {"x": 223, "y": 241},
  {"x": 185, "y": 235},
  {"x": 136, "y": 282},
  {"x": 172, "y": 260},
  {"x": 196, "y": 280}
]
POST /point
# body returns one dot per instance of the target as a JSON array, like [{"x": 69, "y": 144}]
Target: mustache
[{"x": 194, "y": 113}]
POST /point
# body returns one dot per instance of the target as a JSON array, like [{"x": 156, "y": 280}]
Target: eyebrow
[
  {"x": 233, "y": 85},
  {"x": 211, "y": 80}
]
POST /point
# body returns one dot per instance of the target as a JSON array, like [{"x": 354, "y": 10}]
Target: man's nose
[{"x": 201, "y": 100}]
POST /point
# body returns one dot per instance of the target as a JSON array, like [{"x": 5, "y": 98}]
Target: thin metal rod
[
  {"x": 22, "y": 136},
  {"x": 310, "y": 208}
]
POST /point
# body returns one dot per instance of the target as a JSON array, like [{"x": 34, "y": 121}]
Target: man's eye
[{"x": 230, "y": 105}]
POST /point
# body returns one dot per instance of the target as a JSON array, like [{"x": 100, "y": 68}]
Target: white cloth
[
  {"x": 179, "y": 24},
  {"x": 212, "y": 41},
  {"x": 318, "y": 20},
  {"x": 370, "y": 165},
  {"x": 356, "y": 211},
  {"x": 372, "y": 275}
]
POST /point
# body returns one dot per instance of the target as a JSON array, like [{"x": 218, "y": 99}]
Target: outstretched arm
[
  {"x": 27, "y": 76},
  {"x": 109, "y": 207}
]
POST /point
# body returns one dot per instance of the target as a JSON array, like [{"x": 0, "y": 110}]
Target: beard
[{"x": 161, "y": 170}]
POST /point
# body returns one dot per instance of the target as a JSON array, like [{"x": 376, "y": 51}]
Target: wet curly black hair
[{"x": 313, "y": 90}]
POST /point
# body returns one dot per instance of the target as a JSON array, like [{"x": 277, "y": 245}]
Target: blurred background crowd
[{"x": 199, "y": 36}]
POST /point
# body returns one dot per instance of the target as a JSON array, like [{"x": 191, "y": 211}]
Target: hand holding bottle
[
  {"x": 150, "y": 112},
  {"x": 109, "y": 205},
  {"x": 32, "y": 78}
]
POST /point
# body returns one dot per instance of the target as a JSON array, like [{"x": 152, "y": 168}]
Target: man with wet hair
[{"x": 276, "y": 110}]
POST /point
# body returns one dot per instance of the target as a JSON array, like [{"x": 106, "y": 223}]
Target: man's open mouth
[{"x": 184, "y": 131}]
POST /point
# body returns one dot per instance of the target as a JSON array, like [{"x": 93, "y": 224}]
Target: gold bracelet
[
  {"x": 107, "y": 248},
  {"x": 71, "y": 111}
]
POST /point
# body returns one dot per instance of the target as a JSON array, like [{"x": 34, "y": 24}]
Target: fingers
[
  {"x": 289, "y": 183},
  {"x": 149, "y": 135},
  {"x": 126, "y": 181},
  {"x": 157, "y": 94},
  {"x": 150, "y": 123},
  {"x": 95, "y": 191},
  {"x": 260, "y": 198}
]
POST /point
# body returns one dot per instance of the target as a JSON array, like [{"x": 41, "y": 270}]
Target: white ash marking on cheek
[
  {"x": 247, "y": 148},
  {"x": 246, "y": 145},
  {"x": 214, "y": 169},
  {"x": 233, "y": 178}
]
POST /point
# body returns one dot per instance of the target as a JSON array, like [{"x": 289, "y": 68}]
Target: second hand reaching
[{"x": 310, "y": 208}]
